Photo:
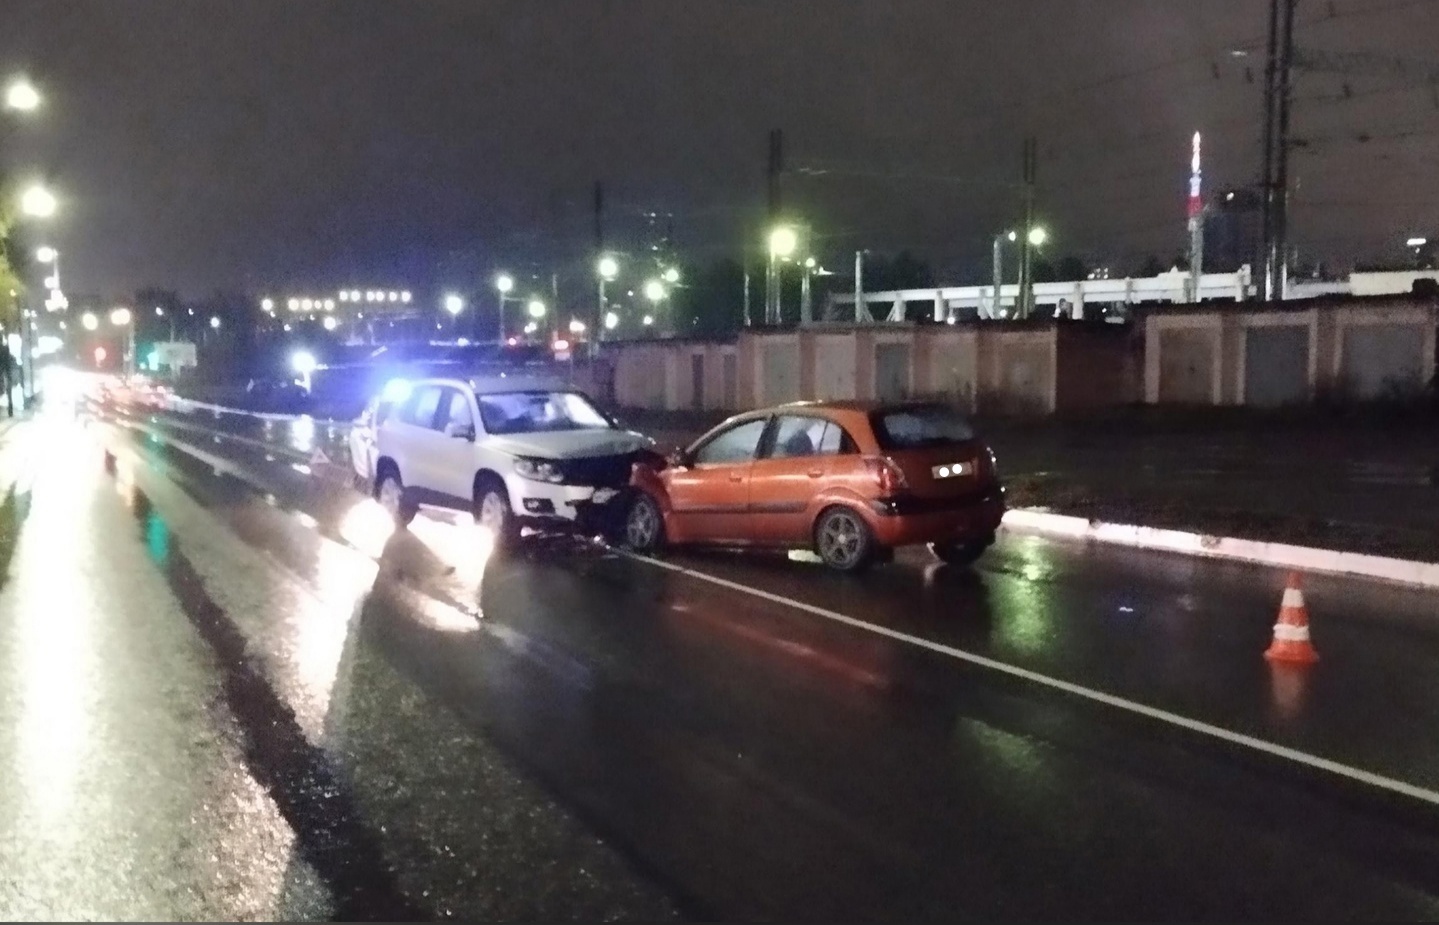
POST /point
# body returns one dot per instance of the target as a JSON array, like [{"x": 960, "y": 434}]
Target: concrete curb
[{"x": 1279, "y": 555}]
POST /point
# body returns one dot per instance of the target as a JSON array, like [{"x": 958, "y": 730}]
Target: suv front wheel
[{"x": 493, "y": 511}]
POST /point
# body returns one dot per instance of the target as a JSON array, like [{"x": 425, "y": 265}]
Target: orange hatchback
[{"x": 851, "y": 480}]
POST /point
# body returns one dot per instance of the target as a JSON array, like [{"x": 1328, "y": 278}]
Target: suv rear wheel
[{"x": 390, "y": 492}]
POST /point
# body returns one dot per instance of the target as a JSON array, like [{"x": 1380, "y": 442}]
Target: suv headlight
[{"x": 538, "y": 469}]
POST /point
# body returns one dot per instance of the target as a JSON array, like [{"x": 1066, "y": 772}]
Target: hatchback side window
[
  {"x": 420, "y": 409},
  {"x": 797, "y": 437},
  {"x": 738, "y": 444}
]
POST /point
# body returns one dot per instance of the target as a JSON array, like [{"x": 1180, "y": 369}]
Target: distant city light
[
  {"x": 647, "y": 320},
  {"x": 344, "y": 296},
  {"x": 394, "y": 296},
  {"x": 307, "y": 304},
  {"x": 454, "y": 304},
  {"x": 303, "y": 362},
  {"x": 561, "y": 346},
  {"x": 612, "y": 321},
  {"x": 531, "y": 328},
  {"x": 267, "y": 304},
  {"x": 654, "y": 290},
  {"x": 405, "y": 296},
  {"x": 89, "y": 321},
  {"x": 159, "y": 312},
  {"x": 215, "y": 322},
  {"x": 354, "y": 295},
  {"x": 22, "y": 96},
  {"x": 536, "y": 308},
  {"x": 504, "y": 283},
  {"x": 331, "y": 322},
  {"x": 1416, "y": 242},
  {"x": 99, "y": 355},
  {"x": 37, "y": 202},
  {"x": 293, "y": 305},
  {"x": 609, "y": 267},
  {"x": 46, "y": 254},
  {"x": 1037, "y": 236},
  {"x": 671, "y": 275},
  {"x": 329, "y": 305},
  {"x": 577, "y": 326},
  {"x": 783, "y": 241},
  {"x": 120, "y": 317},
  {"x": 462, "y": 342}
]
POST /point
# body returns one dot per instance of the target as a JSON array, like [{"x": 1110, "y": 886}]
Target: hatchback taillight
[{"x": 887, "y": 474}]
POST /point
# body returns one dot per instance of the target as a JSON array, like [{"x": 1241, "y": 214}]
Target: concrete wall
[{"x": 1267, "y": 356}]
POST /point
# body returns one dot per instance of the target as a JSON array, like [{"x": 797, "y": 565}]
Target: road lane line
[{"x": 1315, "y": 762}]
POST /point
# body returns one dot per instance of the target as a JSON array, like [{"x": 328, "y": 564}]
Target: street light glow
[
  {"x": 303, "y": 362},
  {"x": 577, "y": 326},
  {"x": 22, "y": 96},
  {"x": 454, "y": 304},
  {"x": 810, "y": 263},
  {"x": 46, "y": 254},
  {"x": 37, "y": 202},
  {"x": 505, "y": 283},
  {"x": 612, "y": 321},
  {"x": 536, "y": 308},
  {"x": 1037, "y": 236},
  {"x": 89, "y": 321},
  {"x": 654, "y": 290},
  {"x": 783, "y": 241},
  {"x": 609, "y": 268},
  {"x": 647, "y": 320},
  {"x": 331, "y": 322},
  {"x": 672, "y": 275},
  {"x": 267, "y": 304},
  {"x": 1416, "y": 242},
  {"x": 120, "y": 317},
  {"x": 215, "y": 322}
]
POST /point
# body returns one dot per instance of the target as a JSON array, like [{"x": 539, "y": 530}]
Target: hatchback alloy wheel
[{"x": 843, "y": 540}]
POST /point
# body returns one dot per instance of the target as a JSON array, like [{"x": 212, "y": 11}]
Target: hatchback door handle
[
  {"x": 736, "y": 478},
  {"x": 815, "y": 473}
]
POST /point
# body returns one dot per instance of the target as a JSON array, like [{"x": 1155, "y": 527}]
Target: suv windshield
[
  {"x": 919, "y": 427},
  {"x": 538, "y": 411}
]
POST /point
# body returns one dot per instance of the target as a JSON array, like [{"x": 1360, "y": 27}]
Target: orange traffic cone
[{"x": 1291, "y": 634}]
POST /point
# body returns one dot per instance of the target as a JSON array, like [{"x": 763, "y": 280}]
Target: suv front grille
[{"x": 598, "y": 471}]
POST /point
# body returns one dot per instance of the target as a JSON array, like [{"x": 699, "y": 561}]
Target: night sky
[{"x": 259, "y": 144}]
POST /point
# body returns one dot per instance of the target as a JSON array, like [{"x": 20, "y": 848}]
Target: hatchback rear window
[{"x": 920, "y": 427}]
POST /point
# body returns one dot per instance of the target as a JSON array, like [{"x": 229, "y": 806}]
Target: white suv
[{"x": 514, "y": 452}]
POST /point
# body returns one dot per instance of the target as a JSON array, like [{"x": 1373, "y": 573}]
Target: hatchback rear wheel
[
  {"x": 954, "y": 552},
  {"x": 843, "y": 540}
]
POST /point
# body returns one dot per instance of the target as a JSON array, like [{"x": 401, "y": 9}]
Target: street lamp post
[
  {"x": 124, "y": 318},
  {"x": 608, "y": 269},
  {"x": 454, "y": 304},
  {"x": 1035, "y": 238},
  {"x": 504, "y": 283},
  {"x": 783, "y": 241}
]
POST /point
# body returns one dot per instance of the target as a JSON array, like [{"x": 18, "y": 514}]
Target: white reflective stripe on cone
[
  {"x": 1288, "y": 632},
  {"x": 1293, "y": 597}
]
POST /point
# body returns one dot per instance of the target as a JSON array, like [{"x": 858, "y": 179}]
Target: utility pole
[
  {"x": 1196, "y": 222},
  {"x": 1026, "y": 247},
  {"x": 861, "y": 314},
  {"x": 1278, "y": 84},
  {"x": 776, "y": 206}
]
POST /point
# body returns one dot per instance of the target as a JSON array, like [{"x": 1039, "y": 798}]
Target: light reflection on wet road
[{"x": 247, "y": 675}]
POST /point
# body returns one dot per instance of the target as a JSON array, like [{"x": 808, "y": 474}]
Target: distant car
[
  {"x": 514, "y": 452},
  {"x": 851, "y": 480}
]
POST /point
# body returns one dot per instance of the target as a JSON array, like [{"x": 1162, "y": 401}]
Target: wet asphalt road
[{"x": 240, "y": 697}]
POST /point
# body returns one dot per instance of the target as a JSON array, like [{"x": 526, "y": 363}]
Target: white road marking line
[{"x": 1359, "y": 775}]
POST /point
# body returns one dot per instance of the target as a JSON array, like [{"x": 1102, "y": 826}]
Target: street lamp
[
  {"x": 504, "y": 284},
  {"x": 22, "y": 96},
  {"x": 1037, "y": 236},
  {"x": 37, "y": 202},
  {"x": 536, "y": 309},
  {"x": 655, "y": 291},
  {"x": 454, "y": 305},
  {"x": 330, "y": 322},
  {"x": 89, "y": 321},
  {"x": 783, "y": 241},
  {"x": 671, "y": 275},
  {"x": 215, "y": 322}
]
